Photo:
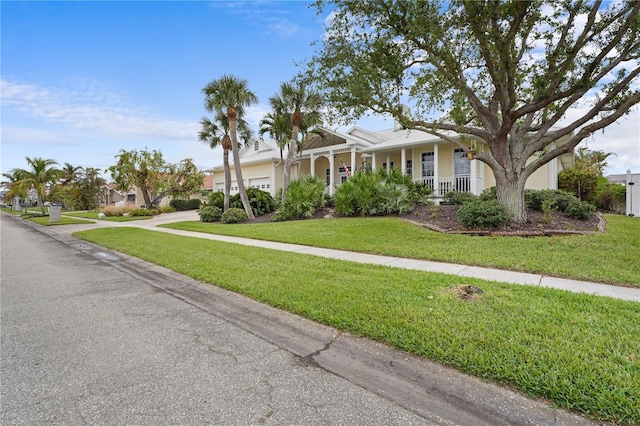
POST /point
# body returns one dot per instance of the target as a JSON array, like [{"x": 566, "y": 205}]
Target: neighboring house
[
  {"x": 632, "y": 182},
  {"x": 114, "y": 197},
  {"x": 429, "y": 159}
]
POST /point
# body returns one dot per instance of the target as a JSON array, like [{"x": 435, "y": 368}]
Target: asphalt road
[
  {"x": 89, "y": 336},
  {"x": 84, "y": 342}
]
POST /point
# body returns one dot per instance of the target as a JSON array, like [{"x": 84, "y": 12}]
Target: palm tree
[
  {"x": 217, "y": 134},
  {"x": 69, "y": 173},
  {"x": 40, "y": 175},
  {"x": 278, "y": 127},
  {"x": 296, "y": 100},
  {"x": 12, "y": 185},
  {"x": 231, "y": 95}
]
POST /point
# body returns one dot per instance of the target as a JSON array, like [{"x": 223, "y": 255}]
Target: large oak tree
[
  {"x": 156, "y": 179},
  {"x": 506, "y": 73}
]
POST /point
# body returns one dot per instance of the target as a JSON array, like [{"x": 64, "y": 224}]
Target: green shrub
[
  {"x": 489, "y": 194},
  {"x": 369, "y": 193},
  {"x": 216, "y": 199},
  {"x": 261, "y": 201},
  {"x": 579, "y": 181},
  {"x": 534, "y": 199},
  {"x": 166, "y": 209},
  {"x": 182, "y": 205},
  {"x": 304, "y": 197},
  {"x": 141, "y": 212},
  {"x": 581, "y": 210},
  {"x": 610, "y": 197},
  {"x": 210, "y": 213},
  {"x": 234, "y": 215},
  {"x": 482, "y": 214},
  {"x": 458, "y": 198}
]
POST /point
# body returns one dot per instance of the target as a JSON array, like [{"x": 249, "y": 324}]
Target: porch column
[
  {"x": 474, "y": 177},
  {"x": 388, "y": 163},
  {"x": 403, "y": 160},
  {"x": 331, "y": 180},
  {"x": 312, "y": 160},
  {"x": 373, "y": 161},
  {"x": 353, "y": 159},
  {"x": 553, "y": 173},
  {"x": 436, "y": 172}
]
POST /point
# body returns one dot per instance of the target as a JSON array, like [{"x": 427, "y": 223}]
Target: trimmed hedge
[{"x": 182, "y": 205}]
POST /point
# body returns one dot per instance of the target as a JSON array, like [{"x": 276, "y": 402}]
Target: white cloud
[{"x": 91, "y": 106}]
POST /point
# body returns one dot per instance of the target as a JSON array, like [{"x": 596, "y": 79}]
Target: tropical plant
[
  {"x": 304, "y": 197},
  {"x": 41, "y": 175},
  {"x": 217, "y": 134},
  {"x": 69, "y": 173},
  {"x": 231, "y": 95},
  {"x": 303, "y": 106},
  {"x": 369, "y": 193},
  {"x": 505, "y": 73},
  {"x": 278, "y": 127},
  {"x": 12, "y": 185}
]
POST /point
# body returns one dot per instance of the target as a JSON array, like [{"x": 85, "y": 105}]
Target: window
[
  {"x": 410, "y": 167},
  {"x": 384, "y": 165},
  {"x": 256, "y": 146},
  {"x": 428, "y": 164},
  {"x": 262, "y": 186},
  {"x": 461, "y": 164},
  {"x": 327, "y": 177}
]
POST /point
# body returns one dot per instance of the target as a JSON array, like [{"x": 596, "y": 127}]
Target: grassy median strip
[
  {"x": 44, "y": 220},
  {"x": 611, "y": 257},
  {"x": 582, "y": 352}
]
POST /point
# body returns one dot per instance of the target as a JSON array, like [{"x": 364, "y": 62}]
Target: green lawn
[
  {"x": 611, "y": 257},
  {"x": 92, "y": 214},
  {"x": 44, "y": 220},
  {"x": 582, "y": 352}
]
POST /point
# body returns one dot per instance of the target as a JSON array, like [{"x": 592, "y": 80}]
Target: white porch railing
[{"x": 443, "y": 185}]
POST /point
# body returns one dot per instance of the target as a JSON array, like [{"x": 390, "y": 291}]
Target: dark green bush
[
  {"x": 610, "y": 197},
  {"x": 183, "y": 205},
  {"x": 216, "y": 199},
  {"x": 304, "y": 197},
  {"x": 559, "y": 199},
  {"x": 458, "y": 198},
  {"x": 581, "y": 210},
  {"x": 210, "y": 213},
  {"x": 261, "y": 201},
  {"x": 489, "y": 194},
  {"x": 482, "y": 214},
  {"x": 141, "y": 212},
  {"x": 234, "y": 215}
]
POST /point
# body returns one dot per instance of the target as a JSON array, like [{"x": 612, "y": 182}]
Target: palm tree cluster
[
  {"x": 75, "y": 186},
  {"x": 295, "y": 115}
]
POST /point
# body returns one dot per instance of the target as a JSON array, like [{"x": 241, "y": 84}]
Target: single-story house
[
  {"x": 632, "y": 182},
  {"x": 428, "y": 159}
]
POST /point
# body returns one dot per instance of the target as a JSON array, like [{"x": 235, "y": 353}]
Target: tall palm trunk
[
  {"x": 233, "y": 125},
  {"x": 226, "y": 145},
  {"x": 293, "y": 146}
]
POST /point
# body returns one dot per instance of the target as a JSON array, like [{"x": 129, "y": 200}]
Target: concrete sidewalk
[{"x": 618, "y": 292}]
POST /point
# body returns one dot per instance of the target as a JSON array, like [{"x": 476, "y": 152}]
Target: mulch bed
[{"x": 443, "y": 218}]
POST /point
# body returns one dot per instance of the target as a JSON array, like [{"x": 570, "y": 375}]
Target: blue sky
[{"x": 82, "y": 80}]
